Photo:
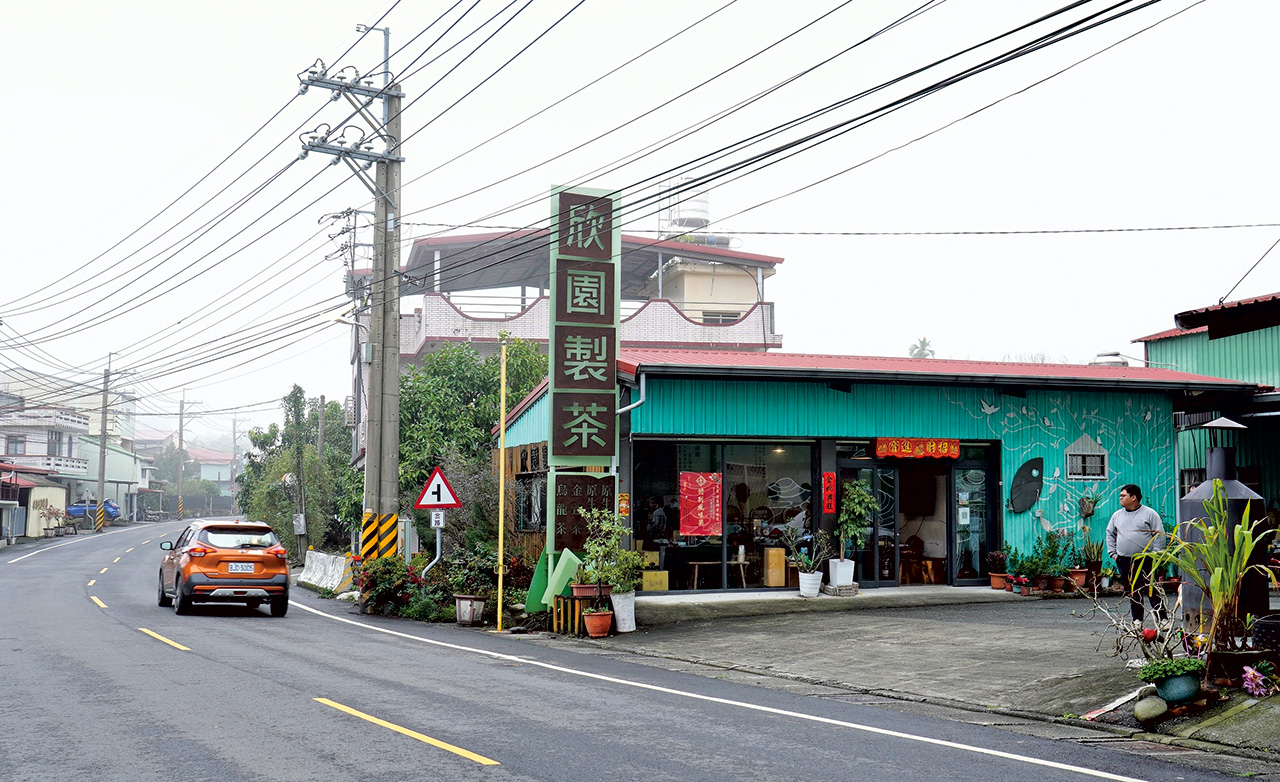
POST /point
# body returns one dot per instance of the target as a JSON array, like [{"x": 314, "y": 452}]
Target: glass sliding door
[
  {"x": 972, "y": 524},
  {"x": 877, "y": 558}
]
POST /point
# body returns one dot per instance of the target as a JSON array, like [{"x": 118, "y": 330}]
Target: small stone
[
  {"x": 1150, "y": 708},
  {"x": 350, "y": 597},
  {"x": 1147, "y": 692}
]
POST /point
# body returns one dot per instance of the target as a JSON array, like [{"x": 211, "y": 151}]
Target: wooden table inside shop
[{"x": 741, "y": 565}]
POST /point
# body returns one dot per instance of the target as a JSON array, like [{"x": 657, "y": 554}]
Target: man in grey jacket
[{"x": 1133, "y": 529}]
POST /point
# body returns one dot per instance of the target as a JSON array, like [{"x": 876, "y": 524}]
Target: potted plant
[
  {"x": 856, "y": 509},
  {"x": 1093, "y": 551},
  {"x": 597, "y": 618},
  {"x": 1177, "y": 680},
  {"x": 996, "y": 563},
  {"x": 1104, "y": 577},
  {"x": 808, "y": 561},
  {"x": 612, "y": 566}
]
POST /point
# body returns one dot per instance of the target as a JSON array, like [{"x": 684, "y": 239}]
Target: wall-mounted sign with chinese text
[
  {"x": 700, "y": 503},
  {"x": 918, "y": 447},
  {"x": 574, "y": 491},
  {"x": 583, "y": 347},
  {"x": 828, "y": 492}
]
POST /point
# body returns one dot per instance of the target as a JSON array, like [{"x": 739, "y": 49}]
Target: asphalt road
[{"x": 94, "y": 686}]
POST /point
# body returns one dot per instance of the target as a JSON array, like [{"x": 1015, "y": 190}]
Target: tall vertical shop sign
[{"x": 585, "y": 291}]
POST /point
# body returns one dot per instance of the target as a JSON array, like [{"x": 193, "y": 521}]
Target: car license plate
[{"x": 239, "y": 567}]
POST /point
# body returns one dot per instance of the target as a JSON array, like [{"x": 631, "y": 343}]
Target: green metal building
[
  {"x": 1239, "y": 340},
  {"x": 963, "y": 457}
]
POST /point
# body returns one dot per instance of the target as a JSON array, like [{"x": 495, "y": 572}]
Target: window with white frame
[{"x": 1086, "y": 460}]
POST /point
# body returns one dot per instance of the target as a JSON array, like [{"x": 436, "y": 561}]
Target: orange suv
[{"x": 225, "y": 562}]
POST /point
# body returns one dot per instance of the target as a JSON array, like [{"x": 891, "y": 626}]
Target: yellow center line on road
[
  {"x": 99, "y": 602},
  {"x": 93, "y": 581},
  {"x": 128, "y": 550},
  {"x": 145, "y": 542},
  {"x": 100, "y": 572},
  {"x": 159, "y": 637},
  {"x": 481, "y": 759},
  {"x": 117, "y": 559}
]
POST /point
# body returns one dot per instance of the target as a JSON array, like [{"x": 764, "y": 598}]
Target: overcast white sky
[{"x": 114, "y": 110}]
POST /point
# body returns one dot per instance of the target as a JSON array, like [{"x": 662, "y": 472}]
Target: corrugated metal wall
[
  {"x": 531, "y": 426},
  {"x": 1254, "y": 357},
  {"x": 1135, "y": 429}
]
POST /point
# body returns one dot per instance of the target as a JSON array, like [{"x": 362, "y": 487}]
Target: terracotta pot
[
  {"x": 1080, "y": 577},
  {"x": 1008, "y": 587},
  {"x": 591, "y": 590},
  {"x": 1040, "y": 582},
  {"x": 998, "y": 580},
  {"x": 598, "y": 623},
  {"x": 1056, "y": 583}
]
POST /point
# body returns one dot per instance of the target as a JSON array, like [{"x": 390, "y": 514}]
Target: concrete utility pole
[
  {"x": 320, "y": 432},
  {"x": 100, "y": 517},
  {"x": 383, "y": 532},
  {"x": 182, "y": 408},
  {"x": 231, "y": 483}
]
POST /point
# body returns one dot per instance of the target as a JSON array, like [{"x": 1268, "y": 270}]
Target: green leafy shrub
[
  {"x": 384, "y": 583},
  {"x": 1156, "y": 670},
  {"x": 429, "y": 608}
]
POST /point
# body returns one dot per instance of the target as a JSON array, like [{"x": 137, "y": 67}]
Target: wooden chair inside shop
[{"x": 910, "y": 561}]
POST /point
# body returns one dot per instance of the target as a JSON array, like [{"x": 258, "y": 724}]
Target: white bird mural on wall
[
  {"x": 1045, "y": 420},
  {"x": 988, "y": 408},
  {"x": 1147, "y": 417}
]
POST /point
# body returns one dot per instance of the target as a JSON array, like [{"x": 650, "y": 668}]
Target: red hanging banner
[
  {"x": 918, "y": 447},
  {"x": 700, "y": 503},
  {"x": 828, "y": 492}
]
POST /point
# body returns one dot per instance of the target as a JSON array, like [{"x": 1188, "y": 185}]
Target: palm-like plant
[{"x": 921, "y": 349}]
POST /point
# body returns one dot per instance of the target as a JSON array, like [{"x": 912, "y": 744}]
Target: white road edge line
[
  {"x": 726, "y": 702},
  {"x": 97, "y": 536}
]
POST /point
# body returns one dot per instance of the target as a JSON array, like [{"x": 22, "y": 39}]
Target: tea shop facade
[{"x": 722, "y": 451}]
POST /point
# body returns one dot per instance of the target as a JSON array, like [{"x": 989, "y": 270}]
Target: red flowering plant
[{"x": 384, "y": 584}]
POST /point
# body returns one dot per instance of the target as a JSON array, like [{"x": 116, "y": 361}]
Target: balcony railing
[
  {"x": 57, "y": 420},
  {"x": 709, "y": 325},
  {"x": 63, "y": 465}
]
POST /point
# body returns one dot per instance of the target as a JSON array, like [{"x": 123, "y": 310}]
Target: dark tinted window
[{"x": 236, "y": 537}]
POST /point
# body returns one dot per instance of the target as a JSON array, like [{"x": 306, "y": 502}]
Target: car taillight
[
  {"x": 200, "y": 551},
  {"x": 279, "y": 551}
]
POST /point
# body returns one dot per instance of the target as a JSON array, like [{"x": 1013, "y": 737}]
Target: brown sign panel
[
  {"x": 586, "y": 226},
  {"x": 582, "y": 424},
  {"x": 584, "y": 292},
  {"x": 585, "y": 358},
  {"x": 575, "y": 491}
]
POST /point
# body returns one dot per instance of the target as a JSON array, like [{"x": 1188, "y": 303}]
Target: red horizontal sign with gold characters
[{"x": 918, "y": 447}]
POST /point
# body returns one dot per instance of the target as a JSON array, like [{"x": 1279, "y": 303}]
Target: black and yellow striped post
[
  {"x": 99, "y": 518},
  {"x": 179, "y": 506},
  {"x": 369, "y": 536}
]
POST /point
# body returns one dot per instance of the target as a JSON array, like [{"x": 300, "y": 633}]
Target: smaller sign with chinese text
[
  {"x": 700, "y": 503},
  {"x": 828, "y": 492},
  {"x": 918, "y": 447}
]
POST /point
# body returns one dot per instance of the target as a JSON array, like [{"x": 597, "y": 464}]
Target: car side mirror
[{"x": 166, "y": 545}]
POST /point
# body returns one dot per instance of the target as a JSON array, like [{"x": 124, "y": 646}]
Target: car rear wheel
[
  {"x": 280, "y": 605},
  {"x": 162, "y": 599},
  {"x": 181, "y": 604}
]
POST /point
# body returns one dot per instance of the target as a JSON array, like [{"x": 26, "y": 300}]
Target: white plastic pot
[
  {"x": 810, "y": 584},
  {"x": 624, "y": 611},
  {"x": 840, "y": 572},
  {"x": 470, "y": 610}
]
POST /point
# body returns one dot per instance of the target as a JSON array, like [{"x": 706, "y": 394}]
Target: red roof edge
[{"x": 1173, "y": 332}]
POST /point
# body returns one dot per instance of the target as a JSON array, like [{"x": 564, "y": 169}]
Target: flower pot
[
  {"x": 997, "y": 580},
  {"x": 1008, "y": 585},
  {"x": 1056, "y": 583},
  {"x": 591, "y": 590},
  {"x": 1104, "y": 582},
  {"x": 470, "y": 610},
  {"x": 1040, "y": 582},
  {"x": 624, "y": 611},
  {"x": 840, "y": 572},
  {"x": 598, "y": 623},
  {"x": 1079, "y": 577},
  {"x": 810, "y": 584},
  {"x": 1178, "y": 689}
]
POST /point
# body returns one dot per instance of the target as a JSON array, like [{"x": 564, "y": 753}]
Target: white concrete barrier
[{"x": 323, "y": 571}]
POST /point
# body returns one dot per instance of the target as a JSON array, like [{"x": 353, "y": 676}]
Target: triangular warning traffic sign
[{"x": 437, "y": 493}]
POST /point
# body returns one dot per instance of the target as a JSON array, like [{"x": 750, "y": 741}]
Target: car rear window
[{"x": 239, "y": 538}]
